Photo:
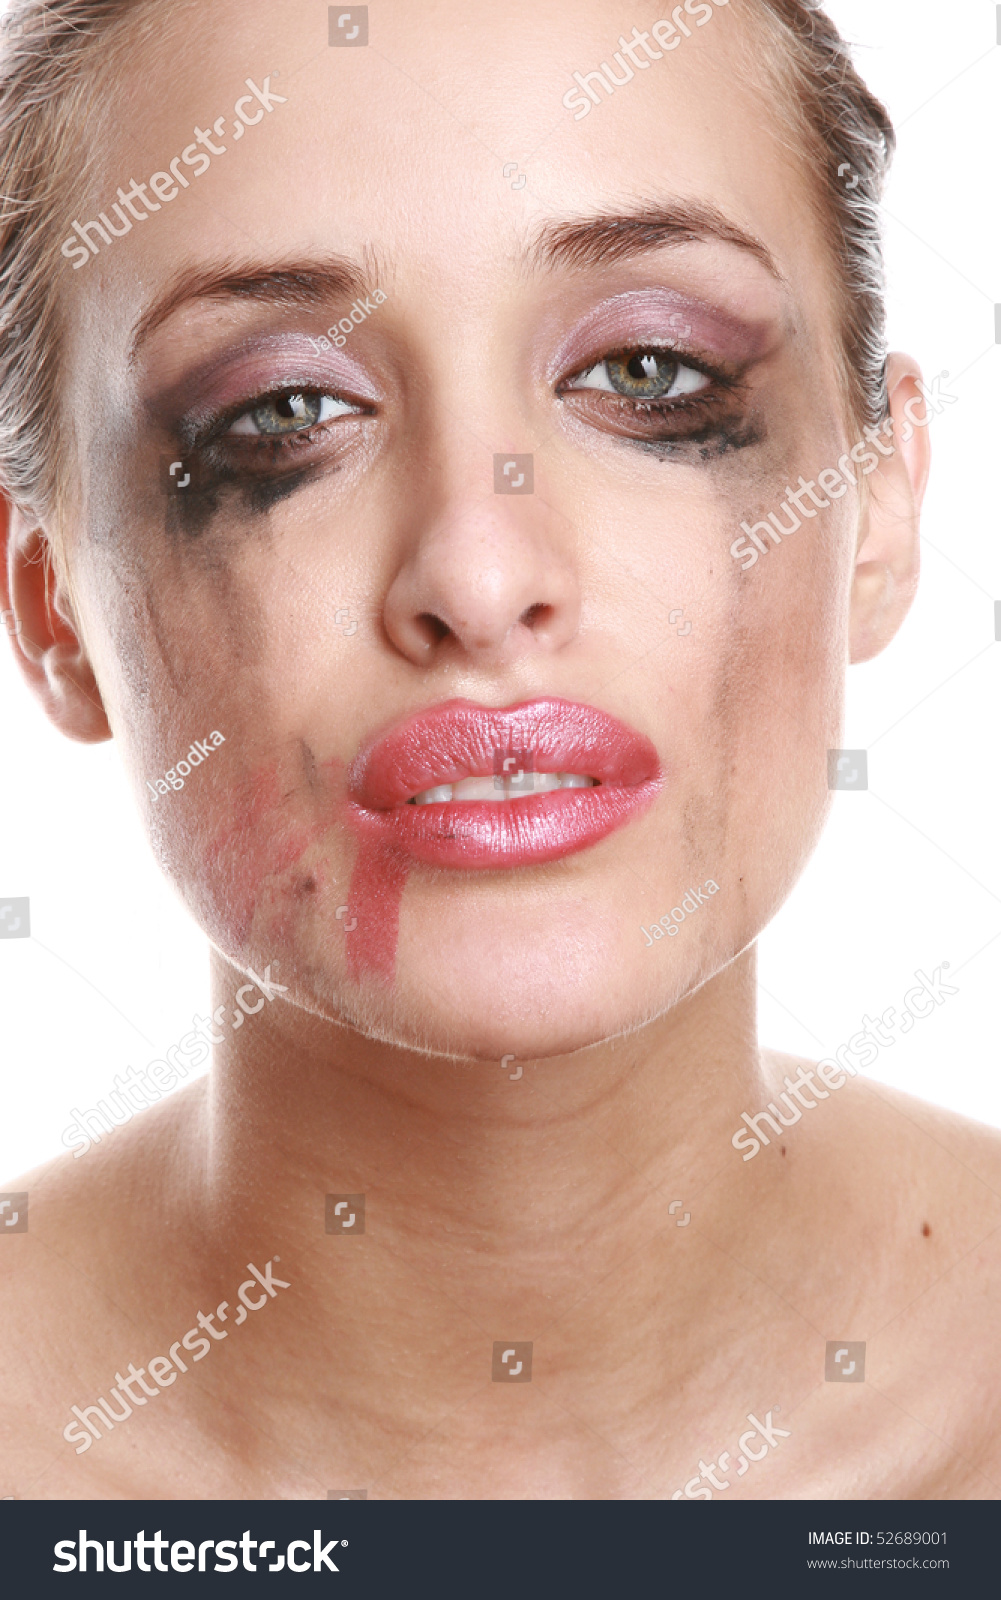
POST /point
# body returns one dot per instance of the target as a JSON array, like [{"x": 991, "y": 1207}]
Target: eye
[
  {"x": 642, "y": 374},
  {"x": 291, "y": 413}
]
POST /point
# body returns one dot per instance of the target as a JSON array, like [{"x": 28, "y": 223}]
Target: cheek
[
  {"x": 176, "y": 621},
  {"x": 253, "y": 858},
  {"x": 755, "y": 692},
  {"x": 256, "y": 855},
  {"x": 779, "y": 692},
  {"x": 259, "y": 854}
]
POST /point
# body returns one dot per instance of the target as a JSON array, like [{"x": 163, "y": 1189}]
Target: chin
[{"x": 530, "y": 981}]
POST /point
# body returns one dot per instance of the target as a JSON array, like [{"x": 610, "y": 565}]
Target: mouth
[{"x": 474, "y": 787}]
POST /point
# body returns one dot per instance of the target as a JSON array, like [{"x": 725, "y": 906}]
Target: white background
[{"x": 907, "y": 874}]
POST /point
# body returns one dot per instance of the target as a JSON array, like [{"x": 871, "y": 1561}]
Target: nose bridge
[
  {"x": 488, "y": 566},
  {"x": 482, "y": 538},
  {"x": 484, "y": 559}
]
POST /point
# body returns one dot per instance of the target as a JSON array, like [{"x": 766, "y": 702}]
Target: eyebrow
[
  {"x": 620, "y": 235},
  {"x": 296, "y": 284},
  {"x": 575, "y": 243}
]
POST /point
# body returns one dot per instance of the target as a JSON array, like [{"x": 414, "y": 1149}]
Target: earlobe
[
  {"x": 888, "y": 559},
  {"x": 39, "y": 618}
]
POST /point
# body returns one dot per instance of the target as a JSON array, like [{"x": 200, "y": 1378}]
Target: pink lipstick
[{"x": 469, "y": 786}]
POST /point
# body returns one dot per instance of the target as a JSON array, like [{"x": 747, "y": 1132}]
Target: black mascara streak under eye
[
  {"x": 271, "y": 491},
  {"x": 710, "y": 444},
  {"x": 226, "y": 489}
]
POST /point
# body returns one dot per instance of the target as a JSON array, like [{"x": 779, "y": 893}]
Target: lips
[{"x": 460, "y": 740}]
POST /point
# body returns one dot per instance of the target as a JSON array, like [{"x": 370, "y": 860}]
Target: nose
[{"x": 488, "y": 577}]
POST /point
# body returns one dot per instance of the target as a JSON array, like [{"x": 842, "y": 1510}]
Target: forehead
[{"x": 439, "y": 147}]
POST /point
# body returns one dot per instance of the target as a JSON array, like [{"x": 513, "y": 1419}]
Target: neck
[
  {"x": 481, "y": 1144},
  {"x": 494, "y": 1206}
]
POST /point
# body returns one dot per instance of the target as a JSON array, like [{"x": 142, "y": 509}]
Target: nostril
[
  {"x": 531, "y": 618},
  {"x": 432, "y": 629}
]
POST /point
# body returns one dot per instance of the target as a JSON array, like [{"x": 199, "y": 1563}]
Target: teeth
[
  {"x": 474, "y": 789},
  {"x": 509, "y": 788},
  {"x": 533, "y": 783}
]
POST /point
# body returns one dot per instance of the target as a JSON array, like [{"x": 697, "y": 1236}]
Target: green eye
[
  {"x": 290, "y": 413},
  {"x": 648, "y": 375},
  {"x": 642, "y": 375}
]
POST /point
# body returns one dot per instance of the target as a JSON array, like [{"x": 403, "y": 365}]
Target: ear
[
  {"x": 888, "y": 559},
  {"x": 38, "y": 614}
]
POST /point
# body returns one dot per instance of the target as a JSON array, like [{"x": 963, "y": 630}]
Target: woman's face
[{"x": 351, "y": 551}]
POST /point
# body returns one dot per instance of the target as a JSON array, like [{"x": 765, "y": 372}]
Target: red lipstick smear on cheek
[
  {"x": 259, "y": 842},
  {"x": 373, "y": 919},
  {"x": 254, "y": 847}
]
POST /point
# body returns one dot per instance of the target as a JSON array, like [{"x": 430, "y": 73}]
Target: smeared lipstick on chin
[{"x": 372, "y": 927}]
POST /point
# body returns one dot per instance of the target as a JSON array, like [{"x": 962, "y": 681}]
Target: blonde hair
[
  {"x": 47, "y": 98},
  {"x": 848, "y": 139}
]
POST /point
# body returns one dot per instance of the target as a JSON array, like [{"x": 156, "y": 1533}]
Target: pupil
[
  {"x": 642, "y": 367},
  {"x": 289, "y": 407}
]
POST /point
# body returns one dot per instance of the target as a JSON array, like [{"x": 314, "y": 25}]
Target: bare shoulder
[
  {"x": 943, "y": 1338},
  {"x": 69, "y": 1197},
  {"x": 905, "y": 1202},
  {"x": 924, "y": 1150},
  {"x": 79, "y": 1222},
  {"x": 952, "y": 1161},
  {"x": 932, "y": 1185}
]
